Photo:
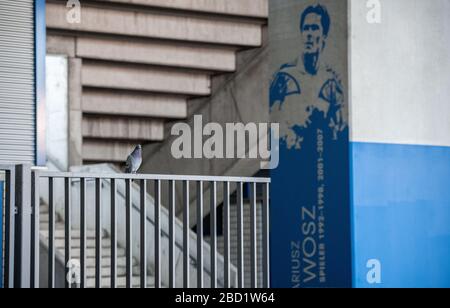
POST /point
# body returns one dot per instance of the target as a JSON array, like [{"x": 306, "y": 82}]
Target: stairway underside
[{"x": 135, "y": 64}]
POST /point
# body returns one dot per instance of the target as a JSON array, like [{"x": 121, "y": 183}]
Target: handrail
[{"x": 162, "y": 177}]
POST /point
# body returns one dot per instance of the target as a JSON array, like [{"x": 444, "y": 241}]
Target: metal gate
[
  {"x": 23, "y": 238},
  {"x": 8, "y": 225}
]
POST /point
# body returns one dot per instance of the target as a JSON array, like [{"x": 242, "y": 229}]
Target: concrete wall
[
  {"x": 57, "y": 108},
  {"x": 400, "y": 73},
  {"x": 140, "y": 61},
  {"x": 310, "y": 191},
  {"x": 254, "y": 8},
  {"x": 239, "y": 97},
  {"x": 400, "y": 114}
]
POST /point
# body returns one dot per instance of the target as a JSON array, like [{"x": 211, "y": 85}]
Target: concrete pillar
[
  {"x": 360, "y": 89},
  {"x": 400, "y": 143},
  {"x": 310, "y": 217},
  {"x": 75, "y": 113}
]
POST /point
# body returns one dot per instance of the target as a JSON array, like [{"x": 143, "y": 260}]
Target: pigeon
[{"x": 134, "y": 160}]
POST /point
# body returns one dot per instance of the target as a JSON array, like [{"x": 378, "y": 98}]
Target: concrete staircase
[
  {"x": 90, "y": 254},
  {"x": 76, "y": 244},
  {"x": 134, "y": 65},
  {"x": 121, "y": 240},
  {"x": 247, "y": 241}
]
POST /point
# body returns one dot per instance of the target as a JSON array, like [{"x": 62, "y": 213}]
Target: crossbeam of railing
[{"x": 161, "y": 177}]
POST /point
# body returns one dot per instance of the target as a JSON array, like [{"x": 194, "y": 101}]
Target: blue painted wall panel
[
  {"x": 310, "y": 191},
  {"x": 40, "y": 53},
  {"x": 310, "y": 240},
  {"x": 1, "y": 234},
  {"x": 401, "y": 214}
]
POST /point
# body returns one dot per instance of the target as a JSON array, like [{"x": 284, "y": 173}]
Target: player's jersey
[{"x": 295, "y": 96}]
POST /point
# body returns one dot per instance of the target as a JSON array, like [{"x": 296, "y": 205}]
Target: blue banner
[
  {"x": 311, "y": 221},
  {"x": 401, "y": 219},
  {"x": 368, "y": 209}
]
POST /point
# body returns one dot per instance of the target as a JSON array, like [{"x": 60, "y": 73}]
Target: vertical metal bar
[
  {"x": 98, "y": 233},
  {"x": 51, "y": 235},
  {"x": 128, "y": 234},
  {"x": 113, "y": 235},
  {"x": 67, "y": 229},
  {"x": 10, "y": 213},
  {"x": 213, "y": 231},
  {"x": 240, "y": 240},
  {"x": 143, "y": 205},
  {"x": 186, "y": 235},
  {"x": 157, "y": 234},
  {"x": 200, "y": 234},
  {"x": 266, "y": 239},
  {"x": 172, "y": 234},
  {"x": 254, "y": 260},
  {"x": 83, "y": 232},
  {"x": 35, "y": 199},
  {"x": 226, "y": 232},
  {"x": 23, "y": 226}
]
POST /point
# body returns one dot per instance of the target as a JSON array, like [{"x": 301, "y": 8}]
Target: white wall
[
  {"x": 400, "y": 73},
  {"x": 57, "y": 110}
]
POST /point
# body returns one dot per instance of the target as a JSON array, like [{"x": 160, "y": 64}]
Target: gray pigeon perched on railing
[{"x": 134, "y": 161}]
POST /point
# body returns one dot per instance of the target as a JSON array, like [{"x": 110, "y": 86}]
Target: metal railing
[
  {"x": 24, "y": 190},
  {"x": 9, "y": 227}
]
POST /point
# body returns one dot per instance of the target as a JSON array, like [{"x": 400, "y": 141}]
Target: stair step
[
  {"x": 105, "y": 252},
  {"x": 172, "y": 54},
  {"x": 122, "y": 128},
  {"x": 247, "y": 8},
  {"x": 90, "y": 243},
  {"x": 134, "y": 104},
  {"x": 106, "y": 261},
  {"x": 96, "y": 150},
  {"x": 75, "y": 234},
  {"x": 150, "y": 79},
  {"x": 149, "y": 24},
  {"x": 121, "y": 282},
  {"x": 106, "y": 271},
  {"x": 44, "y": 218}
]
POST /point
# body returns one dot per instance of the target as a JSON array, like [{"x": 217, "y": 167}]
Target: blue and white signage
[
  {"x": 400, "y": 143},
  {"x": 361, "y": 196},
  {"x": 310, "y": 190}
]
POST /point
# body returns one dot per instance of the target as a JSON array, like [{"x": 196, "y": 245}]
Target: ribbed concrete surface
[
  {"x": 156, "y": 25},
  {"x": 146, "y": 59},
  {"x": 134, "y": 104},
  {"x": 112, "y": 128},
  {"x": 251, "y": 8},
  {"x": 160, "y": 53},
  {"x": 151, "y": 79}
]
